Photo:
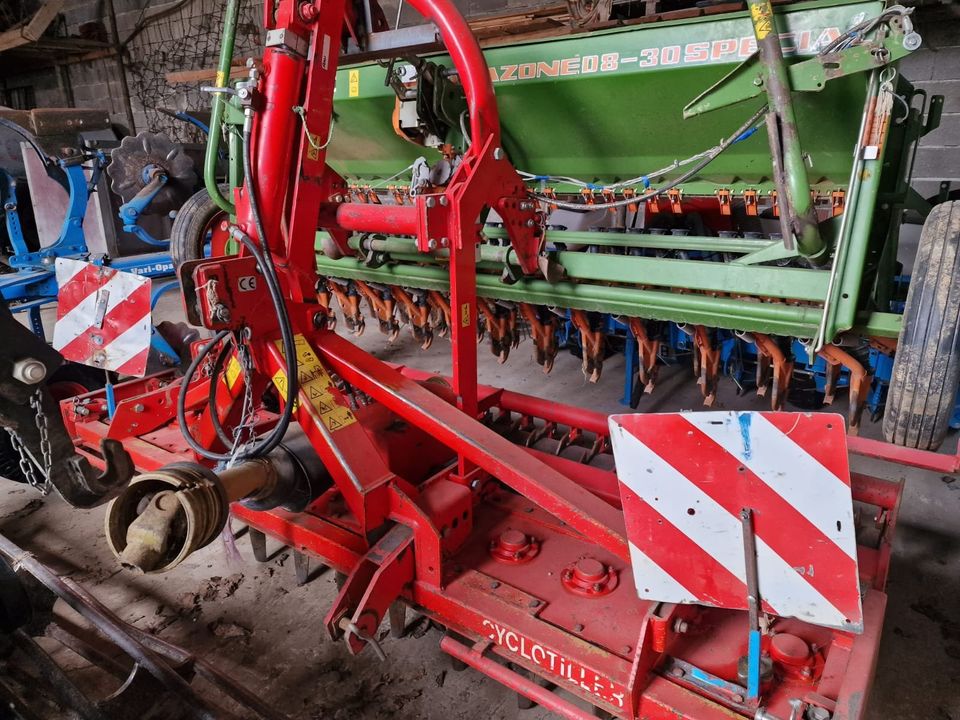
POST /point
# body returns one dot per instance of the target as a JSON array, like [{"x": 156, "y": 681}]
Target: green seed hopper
[{"x": 742, "y": 171}]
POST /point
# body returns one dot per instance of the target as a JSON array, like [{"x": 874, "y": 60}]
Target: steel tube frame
[{"x": 734, "y": 314}]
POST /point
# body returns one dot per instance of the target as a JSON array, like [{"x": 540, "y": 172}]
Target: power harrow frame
[{"x": 497, "y": 515}]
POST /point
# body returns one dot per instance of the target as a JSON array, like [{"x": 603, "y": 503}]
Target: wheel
[
  {"x": 926, "y": 368},
  {"x": 197, "y": 217}
]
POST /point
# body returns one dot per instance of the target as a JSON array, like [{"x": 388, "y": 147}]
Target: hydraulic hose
[{"x": 267, "y": 444}]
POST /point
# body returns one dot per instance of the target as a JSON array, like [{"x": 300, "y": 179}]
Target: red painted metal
[
  {"x": 431, "y": 505},
  {"x": 475, "y": 658},
  {"x": 909, "y": 457},
  {"x": 367, "y": 217}
]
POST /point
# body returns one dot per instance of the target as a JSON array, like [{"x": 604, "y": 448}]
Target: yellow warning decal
[
  {"x": 316, "y": 384},
  {"x": 762, "y": 15},
  {"x": 465, "y": 315},
  {"x": 233, "y": 372},
  {"x": 354, "y": 84}
]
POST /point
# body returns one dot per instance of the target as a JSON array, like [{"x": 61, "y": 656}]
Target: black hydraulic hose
[
  {"x": 212, "y": 396},
  {"x": 182, "y": 400},
  {"x": 265, "y": 262},
  {"x": 275, "y": 437},
  {"x": 289, "y": 351}
]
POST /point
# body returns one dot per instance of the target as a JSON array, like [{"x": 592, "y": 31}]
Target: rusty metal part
[
  {"x": 773, "y": 369},
  {"x": 383, "y": 307},
  {"x": 860, "y": 381},
  {"x": 649, "y": 350},
  {"x": 349, "y": 306},
  {"x": 706, "y": 364},
  {"x": 543, "y": 330},
  {"x": 417, "y": 312},
  {"x": 108, "y": 624},
  {"x": 592, "y": 342},
  {"x": 148, "y": 536},
  {"x": 165, "y": 515},
  {"x": 192, "y": 510},
  {"x": 137, "y": 153},
  {"x": 501, "y": 323},
  {"x": 440, "y": 313}
]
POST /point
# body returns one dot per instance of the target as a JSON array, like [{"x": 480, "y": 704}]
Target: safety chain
[
  {"x": 28, "y": 465},
  {"x": 246, "y": 425}
]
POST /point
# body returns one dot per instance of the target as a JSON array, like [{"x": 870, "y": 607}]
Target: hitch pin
[{"x": 350, "y": 628}]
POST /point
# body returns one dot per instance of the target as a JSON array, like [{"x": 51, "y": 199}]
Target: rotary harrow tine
[
  {"x": 706, "y": 364},
  {"x": 593, "y": 343},
  {"x": 649, "y": 350},
  {"x": 860, "y": 381},
  {"x": 383, "y": 307},
  {"x": 323, "y": 298},
  {"x": 440, "y": 313},
  {"x": 543, "y": 330},
  {"x": 349, "y": 303},
  {"x": 417, "y": 313},
  {"x": 773, "y": 369},
  {"x": 501, "y": 323}
]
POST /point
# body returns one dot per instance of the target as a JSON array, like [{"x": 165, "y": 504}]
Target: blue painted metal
[
  {"x": 34, "y": 284},
  {"x": 111, "y": 399},
  {"x": 155, "y": 179},
  {"x": 753, "y": 665},
  {"x": 71, "y": 241}
]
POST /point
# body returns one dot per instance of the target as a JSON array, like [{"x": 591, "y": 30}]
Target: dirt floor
[{"x": 254, "y": 623}]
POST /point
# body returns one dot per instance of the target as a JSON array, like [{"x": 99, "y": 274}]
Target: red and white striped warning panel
[
  {"x": 103, "y": 317},
  {"x": 685, "y": 478}
]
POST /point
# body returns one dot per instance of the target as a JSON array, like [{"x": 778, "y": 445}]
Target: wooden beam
[{"x": 33, "y": 30}]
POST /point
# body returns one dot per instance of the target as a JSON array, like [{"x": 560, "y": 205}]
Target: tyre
[
  {"x": 926, "y": 368},
  {"x": 190, "y": 227}
]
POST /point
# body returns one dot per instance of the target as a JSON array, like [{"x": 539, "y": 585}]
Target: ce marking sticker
[{"x": 247, "y": 283}]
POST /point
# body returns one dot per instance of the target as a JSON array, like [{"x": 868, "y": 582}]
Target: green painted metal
[
  {"x": 645, "y": 240},
  {"x": 604, "y": 125},
  {"x": 231, "y": 16},
  {"x": 879, "y": 325},
  {"x": 746, "y": 81},
  {"x": 699, "y": 275},
  {"x": 735, "y": 314}
]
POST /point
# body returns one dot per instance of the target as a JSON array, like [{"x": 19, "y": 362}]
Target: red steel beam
[
  {"x": 911, "y": 457},
  {"x": 554, "y": 492},
  {"x": 370, "y": 217},
  {"x": 516, "y": 682}
]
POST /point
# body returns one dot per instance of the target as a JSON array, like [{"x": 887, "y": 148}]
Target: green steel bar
[
  {"x": 704, "y": 275},
  {"x": 878, "y": 324},
  {"x": 746, "y": 80},
  {"x": 231, "y": 15},
  {"x": 784, "y": 136},
  {"x": 645, "y": 240},
  {"x": 854, "y": 239},
  {"x": 730, "y": 313}
]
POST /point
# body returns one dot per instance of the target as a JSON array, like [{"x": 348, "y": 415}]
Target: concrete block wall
[
  {"x": 96, "y": 84},
  {"x": 935, "y": 68}
]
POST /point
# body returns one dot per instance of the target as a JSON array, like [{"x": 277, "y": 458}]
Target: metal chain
[
  {"x": 28, "y": 466},
  {"x": 36, "y": 402},
  {"x": 247, "y": 421}
]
